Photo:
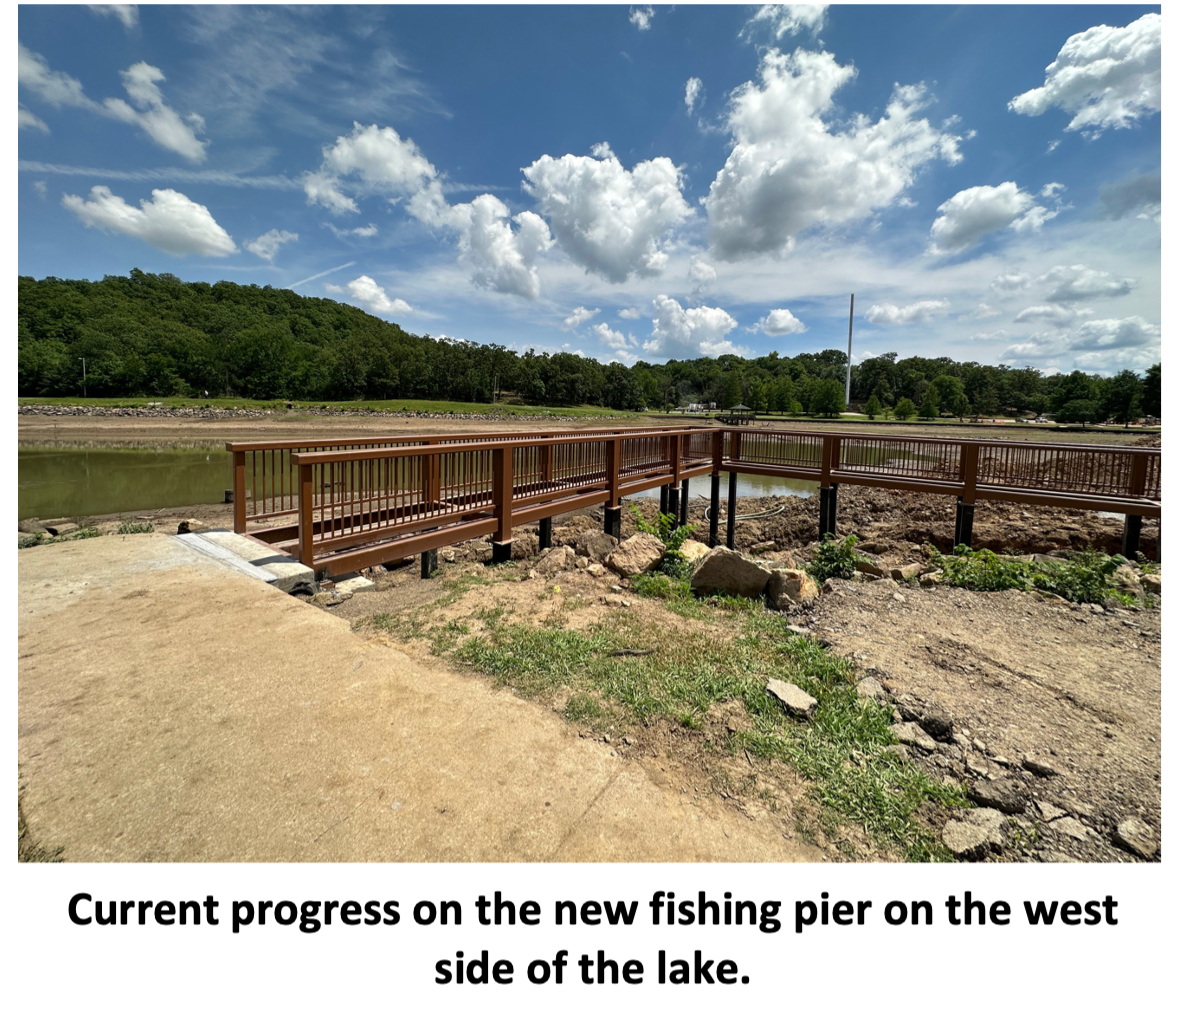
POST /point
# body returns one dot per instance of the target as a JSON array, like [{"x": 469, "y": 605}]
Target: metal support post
[
  {"x": 545, "y": 533},
  {"x": 612, "y": 521},
  {"x": 684, "y": 501},
  {"x": 714, "y": 540},
  {"x": 429, "y": 563},
  {"x": 964, "y": 515},
  {"x": 825, "y": 512},
  {"x": 501, "y": 552},
  {"x": 731, "y": 544},
  {"x": 1131, "y": 541}
]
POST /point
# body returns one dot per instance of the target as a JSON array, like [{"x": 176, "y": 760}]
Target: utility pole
[
  {"x": 848, "y": 378},
  {"x": 84, "y": 361}
]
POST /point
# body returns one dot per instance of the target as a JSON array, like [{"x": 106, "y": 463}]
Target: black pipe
[
  {"x": 429, "y": 563},
  {"x": 612, "y": 521},
  {"x": 731, "y": 544},
  {"x": 686, "y": 496},
  {"x": 715, "y": 510},
  {"x": 1131, "y": 541},
  {"x": 545, "y": 533},
  {"x": 964, "y": 516}
]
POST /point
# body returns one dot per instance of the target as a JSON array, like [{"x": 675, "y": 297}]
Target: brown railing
[
  {"x": 365, "y": 501},
  {"x": 372, "y": 505},
  {"x": 265, "y": 482}
]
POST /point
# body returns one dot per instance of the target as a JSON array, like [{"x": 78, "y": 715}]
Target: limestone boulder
[
  {"x": 794, "y": 700},
  {"x": 789, "y": 589},
  {"x": 729, "y": 572},
  {"x": 595, "y": 545},
  {"x": 556, "y": 559},
  {"x": 636, "y": 555},
  {"x": 692, "y": 550},
  {"x": 976, "y": 833}
]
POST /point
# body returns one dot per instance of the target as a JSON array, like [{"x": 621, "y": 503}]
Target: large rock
[
  {"x": 790, "y": 588},
  {"x": 1136, "y": 836},
  {"x": 912, "y": 734},
  {"x": 872, "y": 568},
  {"x": 1004, "y": 796},
  {"x": 637, "y": 554},
  {"x": 794, "y": 700},
  {"x": 1152, "y": 583},
  {"x": 30, "y": 525},
  {"x": 905, "y": 572},
  {"x": 692, "y": 550},
  {"x": 556, "y": 559},
  {"x": 976, "y": 833},
  {"x": 1127, "y": 580},
  {"x": 595, "y": 544},
  {"x": 523, "y": 548},
  {"x": 729, "y": 572}
]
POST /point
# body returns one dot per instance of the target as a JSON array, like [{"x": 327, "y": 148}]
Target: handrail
[{"x": 420, "y": 491}]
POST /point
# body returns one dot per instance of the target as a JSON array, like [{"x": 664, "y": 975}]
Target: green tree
[
  {"x": 929, "y": 408},
  {"x": 828, "y": 398},
  {"x": 904, "y": 409},
  {"x": 1122, "y": 397},
  {"x": 873, "y": 408},
  {"x": 732, "y": 395},
  {"x": 1077, "y": 411},
  {"x": 951, "y": 394},
  {"x": 1151, "y": 391}
]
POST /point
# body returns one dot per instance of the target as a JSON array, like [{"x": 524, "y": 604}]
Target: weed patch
[
  {"x": 1086, "y": 577},
  {"x": 45, "y": 539},
  {"x": 834, "y": 559}
]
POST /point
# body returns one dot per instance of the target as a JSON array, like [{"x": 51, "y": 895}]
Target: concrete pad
[
  {"x": 246, "y": 553},
  {"x": 172, "y": 709}
]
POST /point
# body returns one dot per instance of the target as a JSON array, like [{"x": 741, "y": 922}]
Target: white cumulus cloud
[
  {"x": 1008, "y": 283},
  {"x": 353, "y": 232},
  {"x": 370, "y": 161},
  {"x": 126, "y": 13},
  {"x": 779, "y": 322},
  {"x": 689, "y": 333},
  {"x": 28, "y": 119},
  {"x": 372, "y": 296},
  {"x": 267, "y": 244},
  {"x": 609, "y": 337},
  {"x": 169, "y": 221},
  {"x": 629, "y": 313},
  {"x": 608, "y": 219},
  {"x": 692, "y": 94},
  {"x": 498, "y": 248},
  {"x": 156, "y": 118},
  {"x": 789, "y": 170},
  {"x": 1100, "y": 345},
  {"x": 145, "y": 108},
  {"x": 1050, "y": 312},
  {"x": 888, "y": 314},
  {"x": 789, "y": 19},
  {"x": 578, "y": 317},
  {"x": 1082, "y": 283},
  {"x": 701, "y": 273},
  {"x": 1105, "y": 77},
  {"x": 974, "y": 212},
  {"x": 641, "y": 17}
]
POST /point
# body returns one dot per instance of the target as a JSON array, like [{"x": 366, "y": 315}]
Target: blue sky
[{"x": 628, "y": 182}]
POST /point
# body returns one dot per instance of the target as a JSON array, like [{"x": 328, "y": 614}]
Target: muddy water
[{"x": 57, "y": 482}]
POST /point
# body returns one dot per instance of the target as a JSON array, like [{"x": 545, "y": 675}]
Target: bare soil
[{"x": 1029, "y": 678}]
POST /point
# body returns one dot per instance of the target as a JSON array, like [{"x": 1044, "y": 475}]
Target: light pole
[
  {"x": 84, "y": 361},
  {"x": 848, "y": 378}
]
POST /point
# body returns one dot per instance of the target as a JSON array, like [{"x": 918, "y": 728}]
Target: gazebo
[{"x": 737, "y": 415}]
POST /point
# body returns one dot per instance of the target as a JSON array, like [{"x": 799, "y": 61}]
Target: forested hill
[{"x": 155, "y": 335}]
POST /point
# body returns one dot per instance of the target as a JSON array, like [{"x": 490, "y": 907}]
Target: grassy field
[{"x": 403, "y": 405}]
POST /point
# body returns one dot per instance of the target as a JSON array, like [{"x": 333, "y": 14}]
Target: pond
[{"x": 61, "y": 482}]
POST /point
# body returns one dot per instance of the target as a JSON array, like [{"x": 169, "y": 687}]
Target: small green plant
[
  {"x": 834, "y": 559},
  {"x": 1085, "y": 577},
  {"x": 45, "y": 539},
  {"x": 1147, "y": 567},
  {"x": 128, "y": 527},
  {"x": 672, "y": 536}
]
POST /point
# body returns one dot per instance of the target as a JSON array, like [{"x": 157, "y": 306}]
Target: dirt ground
[{"x": 1029, "y": 679}]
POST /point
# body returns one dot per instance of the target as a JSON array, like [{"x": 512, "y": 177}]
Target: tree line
[{"x": 156, "y": 335}]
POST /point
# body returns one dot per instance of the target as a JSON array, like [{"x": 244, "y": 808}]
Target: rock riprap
[
  {"x": 636, "y": 555},
  {"x": 727, "y": 571}
]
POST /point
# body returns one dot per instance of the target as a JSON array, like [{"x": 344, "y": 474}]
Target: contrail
[{"x": 323, "y": 274}]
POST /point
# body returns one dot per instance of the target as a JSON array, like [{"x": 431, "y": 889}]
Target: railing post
[
  {"x": 1131, "y": 537},
  {"x": 502, "y": 496},
  {"x": 240, "y": 496},
  {"x": 615, "y": 455},
  {"x": 717, "y": 460},
  {"x": 306, "y": 515},
  {"x": 965, "y": 509},
  {"x": 828, "y": 488}
]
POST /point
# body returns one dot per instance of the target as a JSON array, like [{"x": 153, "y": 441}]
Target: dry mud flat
[{"x": 1053, "y": 711}]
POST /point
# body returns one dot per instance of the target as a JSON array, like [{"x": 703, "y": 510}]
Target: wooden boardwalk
[{"x": 343, "y": 505}]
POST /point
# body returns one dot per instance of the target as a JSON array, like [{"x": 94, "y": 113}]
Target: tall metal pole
[
  {"x": 848, "y": 380},
  {"x": 84, "y": 361}
]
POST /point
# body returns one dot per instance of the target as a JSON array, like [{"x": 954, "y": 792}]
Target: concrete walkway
[{"x": 173, "y": 709}]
